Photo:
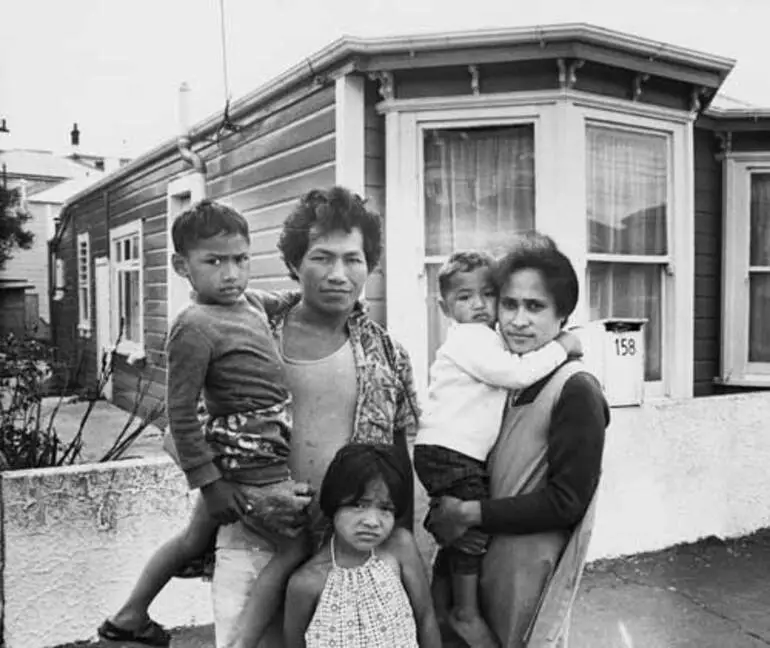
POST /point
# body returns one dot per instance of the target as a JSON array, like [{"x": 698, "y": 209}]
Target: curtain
[
  {"x": 479, "y": 192},
  {"x": 626, "y": 200},
  {"x": 759, "y": 280}
]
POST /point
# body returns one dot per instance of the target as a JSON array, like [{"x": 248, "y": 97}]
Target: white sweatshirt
[{"x": 468, "y": 386}]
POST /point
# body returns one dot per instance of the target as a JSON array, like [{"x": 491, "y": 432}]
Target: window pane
[
  {"x": 759, "y": 317},
  {"x": 760, "y": 219},
  {"x": 118, "y": 250},
  {"x": 131, "y": 305},
  {"x": 627, "y": 181},
  {"x": 479, "y": 185},
  {"x": 630, "y": 290}
]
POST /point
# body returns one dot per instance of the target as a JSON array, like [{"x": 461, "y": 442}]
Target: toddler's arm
[
  {"x": 417, "y": 588},
  {"x": 480, "y": 352}
]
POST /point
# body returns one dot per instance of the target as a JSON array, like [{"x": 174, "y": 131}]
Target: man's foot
[
  {"x": 473, "y": 631},
  {"x": 150, "y": 634}
]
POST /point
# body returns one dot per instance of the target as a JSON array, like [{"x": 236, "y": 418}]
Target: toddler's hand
[
  {"x": 281, "y": 507},
  {"x": 571, "y": 343}
]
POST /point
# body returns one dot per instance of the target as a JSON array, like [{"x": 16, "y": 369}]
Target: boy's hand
[
  {"x": 224, "y": 501},
  {"x": 571, "y": 343}
]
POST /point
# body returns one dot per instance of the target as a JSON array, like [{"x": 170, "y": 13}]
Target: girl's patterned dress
[{"x": 365, "y": 606}]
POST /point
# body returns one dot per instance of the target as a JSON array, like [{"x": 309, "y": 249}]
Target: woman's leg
[{"x": 164, "y": 564}]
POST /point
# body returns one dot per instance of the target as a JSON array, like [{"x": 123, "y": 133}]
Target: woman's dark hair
[
  {"x": 536, "y": 251},
  {"x": 353, "y": 468},
  {"x": 321, "y": 211}
]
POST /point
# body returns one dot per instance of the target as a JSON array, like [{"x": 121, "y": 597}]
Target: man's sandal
[{"x": 152, "y": 634}]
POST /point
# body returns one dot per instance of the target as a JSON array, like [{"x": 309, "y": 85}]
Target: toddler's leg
[
  {"x": 465, "y": 616},
  {"x": 267, "y": 592},
  {"x": 163, "y": 564}
]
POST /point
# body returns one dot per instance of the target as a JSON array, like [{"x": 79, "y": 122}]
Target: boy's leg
[{"x": 163, "y": 564}]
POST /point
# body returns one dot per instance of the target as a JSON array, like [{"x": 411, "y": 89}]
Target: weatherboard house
[{"x": 615, "y": 145}]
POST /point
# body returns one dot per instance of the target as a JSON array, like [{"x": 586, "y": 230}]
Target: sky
[{"x": 115, "y": 67}]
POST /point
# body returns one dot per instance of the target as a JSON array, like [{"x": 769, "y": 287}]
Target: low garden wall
[{"x": 74, "y": 539}]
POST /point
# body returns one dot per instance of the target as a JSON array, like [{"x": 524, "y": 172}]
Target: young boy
[
  {"x": 221, "y": 346},
  {"x": 469, "y": 381}
]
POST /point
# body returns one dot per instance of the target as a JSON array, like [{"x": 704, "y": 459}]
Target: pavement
[{"x": 711, "y": 594}]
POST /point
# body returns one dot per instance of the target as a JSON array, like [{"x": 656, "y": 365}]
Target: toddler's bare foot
[{"x": 473, "y": 630}]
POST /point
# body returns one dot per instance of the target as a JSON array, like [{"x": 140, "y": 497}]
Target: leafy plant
[{"x": 28, "y": 436}]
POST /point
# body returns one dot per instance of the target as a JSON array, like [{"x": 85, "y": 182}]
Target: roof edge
[{"x": 348, "y": 46}]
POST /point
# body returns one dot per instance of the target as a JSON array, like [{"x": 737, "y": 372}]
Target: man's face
[
  {"x": 217, "y": 268},
  {"x": 333, "y": 271}
]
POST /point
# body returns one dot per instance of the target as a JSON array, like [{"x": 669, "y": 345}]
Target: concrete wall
[
  {"x": 74, "y": 541},
  {"x": 680, "y": 471}
]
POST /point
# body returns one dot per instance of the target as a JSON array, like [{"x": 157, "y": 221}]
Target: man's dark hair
[
  {"x": 536, "y": 251},
  {"x": 203, "y": 220},
  {"x": 321, "y": 211},
  {"x": 461, "y": 261},
  {"x": 357, "y": 465}
]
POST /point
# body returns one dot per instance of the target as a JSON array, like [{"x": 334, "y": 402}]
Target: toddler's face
[
  {"x": 367, "y": 523},
  {"x": 217, "y": 268},
  {"x": 472, "y": 298}
]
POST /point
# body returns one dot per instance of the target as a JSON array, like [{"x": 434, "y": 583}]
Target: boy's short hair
[
  {"x": 203, "y": 220},
  {"x": 353, "y": 468},
  {"x": 324, "y": 211},
  {"x": 462, "y": 261}
]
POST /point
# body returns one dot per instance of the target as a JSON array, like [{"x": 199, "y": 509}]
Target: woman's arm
[
  {"x": 575, "y": 447},
  {"x": 417, "y": 588},
  {"x": 302, "y": 594}
]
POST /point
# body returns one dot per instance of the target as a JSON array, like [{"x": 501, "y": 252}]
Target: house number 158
[{"x": 625, "y": 346}]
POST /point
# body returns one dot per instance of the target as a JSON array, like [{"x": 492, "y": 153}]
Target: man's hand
[
  {"x": 224, "y": 501},
  {"x": 281, "y": 507},
  {"x": 571, "y": 343},
  {"x": 447, "y": 519}
]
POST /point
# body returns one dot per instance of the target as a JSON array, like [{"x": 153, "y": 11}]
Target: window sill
[
  {"x": 748, "y": 381},
  {"x": 133, "y": 351}
]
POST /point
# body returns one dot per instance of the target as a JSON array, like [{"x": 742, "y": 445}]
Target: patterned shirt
[{"x": 386, "y": 402}]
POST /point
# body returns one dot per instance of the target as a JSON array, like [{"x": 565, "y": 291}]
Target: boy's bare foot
[{"x": 473, "y": 630}]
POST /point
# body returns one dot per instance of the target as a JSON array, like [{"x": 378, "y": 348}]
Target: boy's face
[
  {"x": 217, "y": 268},
  {"x": 471, "y": 298}
]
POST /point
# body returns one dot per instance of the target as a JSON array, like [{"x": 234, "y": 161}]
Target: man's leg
[{"x": 241, "y": 554}]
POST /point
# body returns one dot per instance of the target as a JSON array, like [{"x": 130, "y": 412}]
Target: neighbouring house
[{"x": 613, "y": 144}]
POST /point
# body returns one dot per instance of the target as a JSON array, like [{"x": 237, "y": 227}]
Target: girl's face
[{"x": 367, "y": 523}]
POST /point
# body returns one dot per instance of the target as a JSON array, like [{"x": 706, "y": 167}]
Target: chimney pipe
[
  {"x": 183, "y": 140},
  {"x": 75, "y": 135}
]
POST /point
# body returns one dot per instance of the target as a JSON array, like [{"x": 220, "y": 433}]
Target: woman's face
[
  {"x": 333, "y": 271},
  {"x": 526, "y": 312}
]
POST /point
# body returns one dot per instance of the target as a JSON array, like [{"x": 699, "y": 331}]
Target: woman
[{"x": 544, "y": 468}]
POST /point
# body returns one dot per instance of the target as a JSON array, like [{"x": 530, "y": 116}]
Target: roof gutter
[{"x": 349, "y": 47}]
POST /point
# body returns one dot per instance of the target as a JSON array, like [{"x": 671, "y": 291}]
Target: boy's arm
[
  {"x": 272, "y": 301},
  {"x": 188, "y": 356},
  {"x": 302, "y": 596},
  {"x": 479, "y": 352},
  {"x": 417, "y": 588}
]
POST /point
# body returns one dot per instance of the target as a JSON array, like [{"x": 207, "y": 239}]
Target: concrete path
[{"x": 712, "y": 594}]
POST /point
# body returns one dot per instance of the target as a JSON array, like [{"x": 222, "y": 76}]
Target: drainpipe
[{"x": 183, "y": 140}]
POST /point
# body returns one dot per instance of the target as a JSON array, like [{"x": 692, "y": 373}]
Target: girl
[{"x": 367, "y": 585}]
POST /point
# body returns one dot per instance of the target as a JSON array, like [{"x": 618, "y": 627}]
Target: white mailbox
[{"x": 614, "y": 352}]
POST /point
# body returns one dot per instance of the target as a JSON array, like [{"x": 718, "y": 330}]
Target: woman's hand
[{"x": 451, "y": 517}]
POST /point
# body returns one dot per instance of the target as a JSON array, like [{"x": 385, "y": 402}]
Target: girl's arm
[
  {"x": 417, "y": 588},
  {"x": 302, "y": 594}
]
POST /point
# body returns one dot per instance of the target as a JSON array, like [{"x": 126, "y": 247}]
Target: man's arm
[
  {"x": 480, "y": 353},
  {"x": 417, "y": 588}
]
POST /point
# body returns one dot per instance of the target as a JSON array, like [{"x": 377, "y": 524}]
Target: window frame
[
  {"x": 559, "y": 119},
  {"x": 117, "y": 234},
  {"x": 84, "y": 285},
  {"x": 736, "y": 369}
]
